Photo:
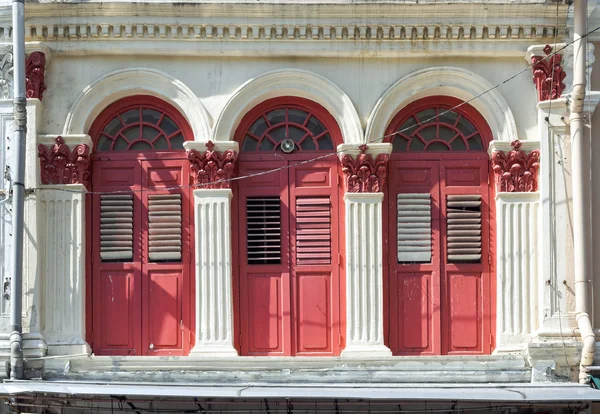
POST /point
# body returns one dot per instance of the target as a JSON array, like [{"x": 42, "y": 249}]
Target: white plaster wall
[{"x": 213, "y": 80}]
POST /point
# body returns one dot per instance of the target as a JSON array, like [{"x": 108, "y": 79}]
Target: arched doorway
[
  {"x": 288, "y": 214},
  {"x": 438, "y": 217},
  {"x": 141, "y": 232}
]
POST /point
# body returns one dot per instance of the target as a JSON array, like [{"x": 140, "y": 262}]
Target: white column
[
  {"x": 61, "y": 240},
  {"x": 214, "y": 293},
  {"x": 364, "y": 276},
  {"x": 517, "y": 269}
]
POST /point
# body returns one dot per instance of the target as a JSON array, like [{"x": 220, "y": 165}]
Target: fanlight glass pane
[
  {"x": 436, "y": 129},
  {"x": 140, "y": 129},
  {"x": 302, "y": 127}
]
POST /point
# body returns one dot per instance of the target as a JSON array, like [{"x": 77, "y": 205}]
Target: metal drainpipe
[
  {"x": 18, "y": 187},
  {"x": 580, "y": 153}
]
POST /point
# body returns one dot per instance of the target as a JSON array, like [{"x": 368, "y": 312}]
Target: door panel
[
  {"x": 314, "y": 265},
  {"x": 263, "y": 211},
  {"x": 141, "y": 283},
  {"x": 118, "y": 313},
  {"x": 417, "y": 312},
  {"x": 465, "y": 312},
  {"x": 314, "y": 321},
  {"x": 466, "y": 283},
  {"x": 443, "y": 305},
  {"x": 289, "y": 283},
  {"x": 266, "y": 314},
  {"x": 163, "y": 310},
  {"x": 414, "y": 282}
]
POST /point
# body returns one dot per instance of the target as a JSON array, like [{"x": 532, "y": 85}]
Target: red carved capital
[
  {"x": 60, "y": 165},
  {"x": 34, "y": 75},
  {"x": 516, "y": 172},
  {"x": 363, "y": 173},
  {"x": 212, "y": 169},
  {"x": 548, "y": 75}
]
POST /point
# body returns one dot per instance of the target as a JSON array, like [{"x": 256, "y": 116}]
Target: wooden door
[
  {"x": 439, "y": 283},
  {"x": 142, "y": 247},
  {"x": 289, "y": 274}
]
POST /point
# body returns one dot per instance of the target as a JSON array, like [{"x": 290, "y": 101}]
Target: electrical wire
[{"x": 320, "y": 157}]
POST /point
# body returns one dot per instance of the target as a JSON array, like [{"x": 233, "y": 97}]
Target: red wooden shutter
[
  {"x": 313, "y": 230},
  {"x": 414, "y": 228},
  {"x": 116, "y": 227},
  {"x": 164, "y": 227},
  {"x": 263, "y": 230},
  {"x": 464, "y": 228}
]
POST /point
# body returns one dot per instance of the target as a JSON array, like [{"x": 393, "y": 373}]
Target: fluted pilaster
[
  {"x": 364, "y": 276},
  {"x": 61, "y": 244},
  {"x": 517, "y": 272},
  {"x": 214, "y": 295}
]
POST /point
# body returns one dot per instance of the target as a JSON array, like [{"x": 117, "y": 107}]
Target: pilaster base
[
  {"x": 366, "y": 351},
  {"x": 214, "y": 350},
  {"x": 554, "y": 361},
  {"x": 74, "y": 348}
]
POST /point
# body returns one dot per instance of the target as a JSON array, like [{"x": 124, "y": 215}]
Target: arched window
[
  {"x": 140, "y": 233},
  {"x": 438, "y": 220},
  {"x": 436, "y": 125},
  {"x": 139, "y": 124},
  {"x": 288, "y": 128},
  {"x": 288, "y": 230}
]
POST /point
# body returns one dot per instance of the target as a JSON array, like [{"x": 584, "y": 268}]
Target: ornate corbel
[
  {"x": 212, "y": 169},
  {"x": 61, "y": 165},
  {"x": 34, "y": 75},
  {"x": 548, "y": 75},
  {"x": 516, "y": 171},
  {"x": 363, "y": 173}
]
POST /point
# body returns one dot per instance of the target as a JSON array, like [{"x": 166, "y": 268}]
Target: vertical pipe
[
  {"x": 580, "y": 150},
  {"x": 20, "y": 115}
]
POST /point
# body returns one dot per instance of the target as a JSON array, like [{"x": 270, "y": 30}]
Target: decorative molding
[
  {"x": 287, "y": 31},
  {"x": 212, "y": 169},
  {"x": 516, "y": 171},
  {"x": 6, "y": 75},
  {"x": 548, "y": 74},
  {"x": 34, "y": 75},
  {"x": 363, "y": 173},
  {"x": 61, "y": 165}
]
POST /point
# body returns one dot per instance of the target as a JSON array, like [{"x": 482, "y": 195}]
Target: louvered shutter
[
  {"x": 313, "y": 231},
  {"x": 116, "y": 227},
  {"x": 164, "y": 227},
  {"x": 414, "y": 227},
  {"x": 263, "y": 230},
  {"x": 464, "y": 228}
]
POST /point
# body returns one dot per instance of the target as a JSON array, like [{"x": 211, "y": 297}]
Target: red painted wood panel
[
  {"x": 465, "y": 312},
  {"x": 266, "y": 313},
  {"x": 314, "y": 320},
  {"x": 417, "y": 312},
  {"x": 163, "y": 310},
  {"x": 119, "y": 325}
]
